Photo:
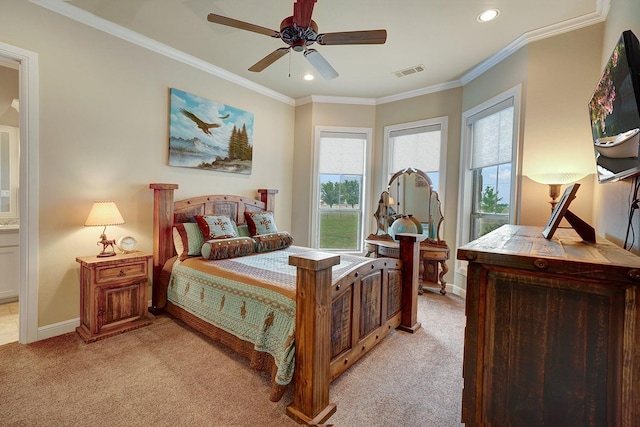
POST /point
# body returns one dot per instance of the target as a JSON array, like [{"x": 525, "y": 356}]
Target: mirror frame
[{"x": 383, "y": 205}]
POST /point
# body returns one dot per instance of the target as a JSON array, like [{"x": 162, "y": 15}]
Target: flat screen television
[{"x": 615, "y": 113}]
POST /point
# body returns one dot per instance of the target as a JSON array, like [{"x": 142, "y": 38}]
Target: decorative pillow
[
  {"x": 227, "y": 248},
  {"x": 216, "y": 227},
  {"x": 187, "y": 239},
  {"x": 260, "y": 223},
  {"x": 273, "y": 241}
]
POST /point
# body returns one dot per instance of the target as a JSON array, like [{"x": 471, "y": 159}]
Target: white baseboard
[
  {"x": 56, "y": 329},
  {"x": 459, "y": 291},
  {"x": 61, "y": 328}
]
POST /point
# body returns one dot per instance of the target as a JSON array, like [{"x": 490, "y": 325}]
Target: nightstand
[{"x": 113, "y": 294}]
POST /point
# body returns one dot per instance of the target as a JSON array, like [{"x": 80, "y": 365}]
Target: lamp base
[{"x": 106, "y": 243}]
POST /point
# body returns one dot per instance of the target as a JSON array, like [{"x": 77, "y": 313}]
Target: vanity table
[
  {"x": 433, "y": 254},
  {"x": 410, "y": 194}
]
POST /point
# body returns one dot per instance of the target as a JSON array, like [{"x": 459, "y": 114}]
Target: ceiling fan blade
[
  {"x": 302, "y": 11},
  {"x": 269, "y": 59},
  {"x": 353, "y": 37},
  {"x": 320, "y": 64},
  {"x": 230, "y": 22}
]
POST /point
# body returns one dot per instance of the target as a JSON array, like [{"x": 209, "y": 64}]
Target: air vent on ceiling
[{"x": 408, "y": 71}]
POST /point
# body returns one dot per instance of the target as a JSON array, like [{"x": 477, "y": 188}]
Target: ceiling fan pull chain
[{"x": 289, "y": 64}]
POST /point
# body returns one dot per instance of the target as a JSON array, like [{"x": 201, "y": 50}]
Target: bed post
[
  {"x": 410, "y": 256},
  {"x": 268, "y": 197},
  {"x": 162, "y": 234},
  {"x": 311, "y": 404}
]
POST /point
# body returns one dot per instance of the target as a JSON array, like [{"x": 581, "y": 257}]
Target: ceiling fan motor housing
[{"x": 296, "y": 37}]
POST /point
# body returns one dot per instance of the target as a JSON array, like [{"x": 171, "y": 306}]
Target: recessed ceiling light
[
  {"x": 308, "y": 77},
  {"x": 488, "y": 15}
]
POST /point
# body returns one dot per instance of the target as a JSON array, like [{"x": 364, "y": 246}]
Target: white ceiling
[{"x": 441, "y": 35}]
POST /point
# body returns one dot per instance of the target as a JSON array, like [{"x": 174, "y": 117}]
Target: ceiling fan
[{"x": 299, "y": 32}]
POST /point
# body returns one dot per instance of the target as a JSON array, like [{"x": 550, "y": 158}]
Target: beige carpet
[{"x": 167, "y": 375}]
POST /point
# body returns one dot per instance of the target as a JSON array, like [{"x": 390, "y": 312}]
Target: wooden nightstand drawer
[{"x": 120, "y": 272}]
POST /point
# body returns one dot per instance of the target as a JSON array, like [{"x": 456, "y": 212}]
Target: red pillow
[{"x": 261, "y": 222}]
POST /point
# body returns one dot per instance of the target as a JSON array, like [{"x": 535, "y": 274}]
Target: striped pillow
[
  {"x": 227, "y": 248},
  {"x": 187, "y": 239}
]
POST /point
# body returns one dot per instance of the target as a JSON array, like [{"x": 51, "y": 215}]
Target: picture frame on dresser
[{"x": 562, "y": 211}]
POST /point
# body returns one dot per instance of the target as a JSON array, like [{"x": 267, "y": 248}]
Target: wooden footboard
[{"x": 336, "y": 324}]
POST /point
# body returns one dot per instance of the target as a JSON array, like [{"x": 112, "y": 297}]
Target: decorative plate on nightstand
[{"x": 127, "y": 244}]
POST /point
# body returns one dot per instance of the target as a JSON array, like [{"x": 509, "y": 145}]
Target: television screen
[{"x": 614, "y": 111}]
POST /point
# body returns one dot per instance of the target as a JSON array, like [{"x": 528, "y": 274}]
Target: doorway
[
  {"x": 28, "y": 79},
  {"x": 9, "y": 227}
]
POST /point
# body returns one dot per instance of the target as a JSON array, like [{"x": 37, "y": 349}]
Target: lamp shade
[
  {"x": 561, "y": 178},
  {"x": 103, "y": 214}
]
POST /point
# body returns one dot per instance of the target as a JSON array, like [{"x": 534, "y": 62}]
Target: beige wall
[
  {"x": 104, "y": 135},
  {"x": 557, "y": 132},
  {"x": 611, "y": 200},
  {"x": 556, "y": 77},
  {"x": 303, "y": 163}
]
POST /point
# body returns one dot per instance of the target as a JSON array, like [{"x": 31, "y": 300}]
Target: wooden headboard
[{"x": 166, "y": 213}]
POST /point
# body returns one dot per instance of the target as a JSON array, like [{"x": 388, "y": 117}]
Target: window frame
[
  {"x": 465, "y": 195},
  {"x": 315, "y": 187},
  {"x": 443, "y": 122}
]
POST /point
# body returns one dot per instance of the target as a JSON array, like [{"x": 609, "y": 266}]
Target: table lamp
[
  {"x": 555, "y": 180},
  {"x": 101, "y": 215}
]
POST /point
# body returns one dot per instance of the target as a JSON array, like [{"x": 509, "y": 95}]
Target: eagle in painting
[{"x": 201, "y": 124}]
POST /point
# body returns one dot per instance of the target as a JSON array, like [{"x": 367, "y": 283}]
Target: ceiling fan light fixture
[
  {"x": 308, "y": 77},
  {"x": 488, "y": 15},
  {"x": 320, "y": 64}
]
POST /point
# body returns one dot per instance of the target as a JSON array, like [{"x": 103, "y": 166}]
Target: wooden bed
[{"x": 377, "y": 297}]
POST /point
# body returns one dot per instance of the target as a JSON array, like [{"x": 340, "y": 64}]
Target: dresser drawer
[{"x": 119, "y": 272}]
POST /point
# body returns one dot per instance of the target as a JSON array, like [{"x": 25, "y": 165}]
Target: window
[
  {"x": 490, "y": 136},
  {"x": 420, "y": 145},
  {"x": 340, "y": 179}
]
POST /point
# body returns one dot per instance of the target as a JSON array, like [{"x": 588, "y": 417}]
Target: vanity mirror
[
  {"x": 409, "y": 195},
  {"x": 410, "y": 205}
]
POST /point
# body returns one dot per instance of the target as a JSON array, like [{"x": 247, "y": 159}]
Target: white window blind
[
  {"x": 417, "y": 147},
  {"x": 492, "y": 135},
  {"x": 341, "y": 154}
]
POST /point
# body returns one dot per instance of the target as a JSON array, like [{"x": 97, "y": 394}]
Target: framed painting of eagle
[{"x": 205, "y": 134}]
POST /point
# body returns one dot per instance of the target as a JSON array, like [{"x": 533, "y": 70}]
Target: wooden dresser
[
  {"x": 113, "y": 294},
  {"x": 553, "y": 331}
]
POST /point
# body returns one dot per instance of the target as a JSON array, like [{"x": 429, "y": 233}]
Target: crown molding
[
  {"x": 600, "y": 15},
  {"x": 419, "y": 92},
  {"x": 72, "y": 12},
  {"x": 321, "y": 99}
]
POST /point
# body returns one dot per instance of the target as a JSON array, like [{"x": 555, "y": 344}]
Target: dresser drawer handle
[
  {"x": 541, "y": 264},
  {"x": 122, "y": 273},
  {"x": 634, "y": 274}
]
